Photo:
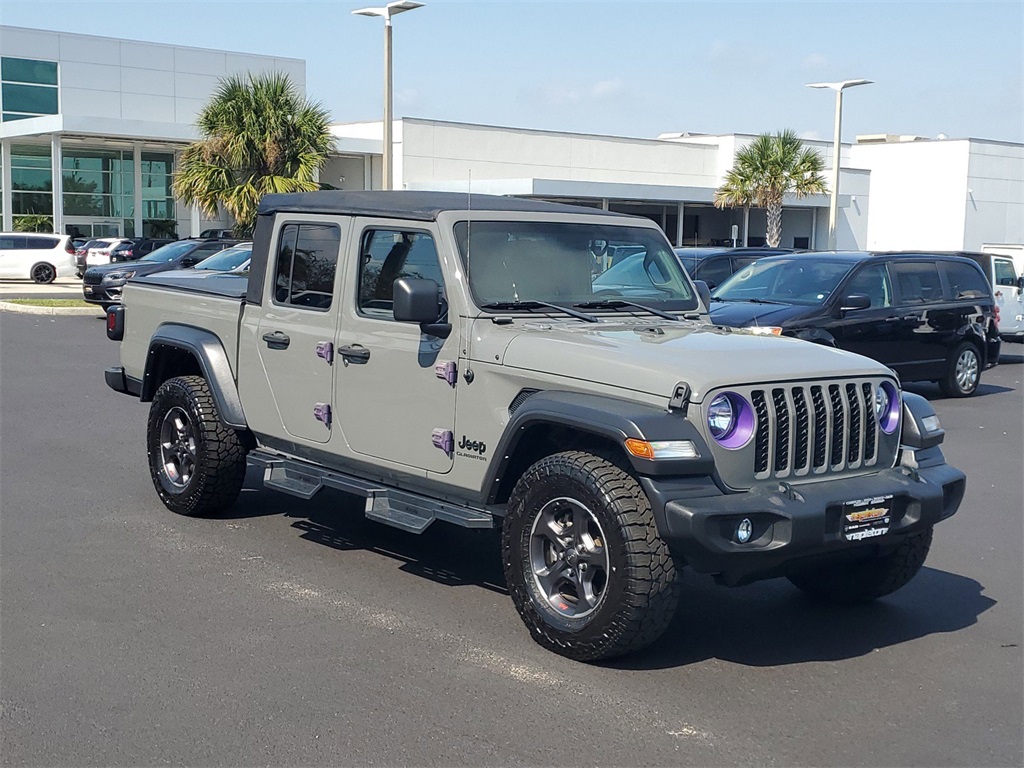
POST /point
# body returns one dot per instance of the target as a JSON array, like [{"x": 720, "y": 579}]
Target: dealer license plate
[{"x": 867, "y": 518}]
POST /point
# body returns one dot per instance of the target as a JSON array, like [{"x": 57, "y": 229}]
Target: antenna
[{"x": 469, "y": 375}]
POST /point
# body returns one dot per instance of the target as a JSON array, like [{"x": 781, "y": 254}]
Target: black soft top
[{"x": 404, "y": 204}]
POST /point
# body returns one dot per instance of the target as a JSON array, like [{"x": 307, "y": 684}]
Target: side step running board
[{"x": 402, "y": 509}]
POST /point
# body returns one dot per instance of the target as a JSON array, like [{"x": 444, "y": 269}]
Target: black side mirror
[
  {"x": 704, "y": 292},
  {"x": 1020, "y": 283},
  {"x": 855, "y": 301},
  {"x": 418, "y": 300}
]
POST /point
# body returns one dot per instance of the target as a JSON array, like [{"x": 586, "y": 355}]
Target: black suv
[
  {"x": 102, "y": 285},
  {"x": 714, "y": 265},
  {"x": 137, "y": 248},
  {"x": 929, "y": 317}
]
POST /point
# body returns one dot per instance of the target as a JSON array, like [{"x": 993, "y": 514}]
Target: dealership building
[{"x": 93, "y": 127}]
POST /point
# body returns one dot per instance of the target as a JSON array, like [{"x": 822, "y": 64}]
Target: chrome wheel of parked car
[
  {"x": 43, "y": 273},
  {"x": 178, "y": 447},
  {"x": 568, "y": 557},
  {"x": 964, "y": 372}
]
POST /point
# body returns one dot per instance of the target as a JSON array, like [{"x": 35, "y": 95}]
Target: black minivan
[{"x": 929, "y": 317}]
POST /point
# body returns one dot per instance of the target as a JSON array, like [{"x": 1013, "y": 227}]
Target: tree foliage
[
  {"x": 259, "y": 136},
  {"x": 768, "y": 169}
]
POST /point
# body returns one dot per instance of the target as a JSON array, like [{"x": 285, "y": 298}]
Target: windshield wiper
[
  {"x": 618, "y": 303},
  {"x": 751, "y": 300},
  {"x": 532, "y": 304}
]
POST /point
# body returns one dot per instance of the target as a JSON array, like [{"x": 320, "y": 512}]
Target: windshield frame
[{"x": 552, "y": 234}]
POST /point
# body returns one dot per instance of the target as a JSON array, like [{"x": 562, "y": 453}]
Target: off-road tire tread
[
  {"x": 868, "y": 580},
  {"x": 220, "y": 460},
  {"x": 651, "y": 589}
]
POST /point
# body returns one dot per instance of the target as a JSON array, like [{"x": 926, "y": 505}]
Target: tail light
[
  {"x": 997, "y": 316},
  {"x": 69, "y": 247},
  {"x": 115, "y": 322}
]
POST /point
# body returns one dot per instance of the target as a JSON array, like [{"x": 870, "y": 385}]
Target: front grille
[
  {"x": 807, "y": 430},
  {"x": 813, "y": 429},
  {"x": 92, "y": 277}
]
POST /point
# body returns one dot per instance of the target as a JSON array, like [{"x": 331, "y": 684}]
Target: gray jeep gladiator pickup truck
[{"x": 489, "y": 362}]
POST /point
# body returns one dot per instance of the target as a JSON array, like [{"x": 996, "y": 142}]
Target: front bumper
[
  {"x": 793, "y": 526},
  {"x": 102, "y": 293}
]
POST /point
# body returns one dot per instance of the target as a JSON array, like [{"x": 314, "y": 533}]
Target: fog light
[{"x": 744, "y": 530}]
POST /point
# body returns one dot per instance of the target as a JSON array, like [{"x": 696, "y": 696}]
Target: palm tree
[
  {"x": 768, "y": 169},
  {"x": 259, "y": 136}
]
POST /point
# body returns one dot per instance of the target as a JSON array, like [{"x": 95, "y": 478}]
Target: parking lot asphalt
[{"x": 298, "y": 633}]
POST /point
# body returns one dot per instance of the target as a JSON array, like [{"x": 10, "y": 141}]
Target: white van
[
  {"x": 37, "y": 256},
  {"x": 1004, "y": 275}
]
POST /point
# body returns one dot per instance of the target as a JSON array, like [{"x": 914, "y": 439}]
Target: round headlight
[
  {"x": 730, "y": 420},
  {"x": 721, "y": 417},
  {"x": 881, "y": 401},
  {"x": 887, "y": 407}
]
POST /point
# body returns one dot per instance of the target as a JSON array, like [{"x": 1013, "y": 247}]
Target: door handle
[
  {"x": 355, "y": 353},
  {"x": 276, "y": 340}
]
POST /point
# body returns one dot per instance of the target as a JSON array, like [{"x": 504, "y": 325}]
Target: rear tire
[
  {"x": 586, "y": 568},
  {"x": 963, "y": 371},
  {"x": 196, "y": 462},
  {"x": 869, "y": 580},
  {"x": 43, "y": 273}
]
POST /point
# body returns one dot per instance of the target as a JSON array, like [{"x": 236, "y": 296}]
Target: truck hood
[{"x": 653, "y": 357}]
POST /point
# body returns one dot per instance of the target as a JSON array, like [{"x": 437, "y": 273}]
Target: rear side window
[
  {"x": 11, "y": 243},
  {"x": 918, "y": 282},
  {"x": 307, "y": 258},
  {"x": 38, "y": 243},
  {"x": 714, "y": 270},
  {"x": 1006, "y": 275},
  {"x": 966, "y": 281}
]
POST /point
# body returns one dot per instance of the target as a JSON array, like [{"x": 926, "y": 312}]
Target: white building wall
[
  {"x": 918, "y": 193},
  {"x": 105, "y": 77},
  {"x": 434, "y": 151},
  {"x": 995, "y": 194}
]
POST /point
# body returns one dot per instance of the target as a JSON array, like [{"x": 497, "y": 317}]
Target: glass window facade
[
  {"x": 100, "y": 183},
  {"x": 31, "y": 180},
  {"x": 28, "y": 89}
]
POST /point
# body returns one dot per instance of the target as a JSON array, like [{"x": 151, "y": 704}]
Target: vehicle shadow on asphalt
[
  {"x": 771, "y": 623},
  {"x": 932, "y": 391}
]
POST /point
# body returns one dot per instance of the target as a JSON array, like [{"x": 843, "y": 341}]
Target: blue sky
[{"x": 619, "y": 68}]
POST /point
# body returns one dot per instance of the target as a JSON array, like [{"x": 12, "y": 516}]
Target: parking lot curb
[{"x": 28, "y": 309}]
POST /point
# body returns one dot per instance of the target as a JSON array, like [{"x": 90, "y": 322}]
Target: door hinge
[
  {"x": 325, "y": 349},
  {"x": 449, "y": 371},
  {"x": 322, "y": 412},
  {"x": 444, "y": 439}
]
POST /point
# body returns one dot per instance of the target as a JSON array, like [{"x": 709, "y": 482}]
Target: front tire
[
  {"x": 43, "y": 273},
  {"x": 862, "y": 582},
  {"x": 196, "y": 462},
  {"x": 586, "y": 568},
  {"x": 963, "y": 372}
]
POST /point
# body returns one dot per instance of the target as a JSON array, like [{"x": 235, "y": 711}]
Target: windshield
[
  {"x": 169, "y": 252},
  {"x": 803, "y": 280},
  {"x": 229, "y": 258},
  {"x": 602, "y": 266}
]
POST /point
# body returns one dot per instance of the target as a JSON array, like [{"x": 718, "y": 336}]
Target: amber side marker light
[{"x": 662, "y": 449}]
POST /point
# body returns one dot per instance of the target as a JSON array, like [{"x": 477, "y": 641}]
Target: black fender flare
[
  {"x": 605, "y": 417},
  {"x": 209, "y": 352}
]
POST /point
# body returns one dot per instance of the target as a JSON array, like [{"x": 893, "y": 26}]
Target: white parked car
[
  {"x": 99, "y": 253},
  {"x": 37, "y": 256}
]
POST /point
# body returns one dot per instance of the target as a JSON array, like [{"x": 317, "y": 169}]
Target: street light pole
[
  {"x": 833, "y": 203},
  {"x": 387, "y": 12}
]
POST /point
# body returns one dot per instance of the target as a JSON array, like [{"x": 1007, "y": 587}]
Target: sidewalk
[{"x": 61, "y": 288}]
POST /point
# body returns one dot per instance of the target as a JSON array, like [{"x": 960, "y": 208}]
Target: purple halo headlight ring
[
  {"x": 887, "y": 407},
  {"x": 730, "y": 420}
]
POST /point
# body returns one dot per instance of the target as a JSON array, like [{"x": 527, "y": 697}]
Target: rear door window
[
  {"x": 966, "y": 281},
  {"x": 918, "y": 282},
  {"x": 307, "y": 258},
  {"x": 1006, "y": 275},
  {"x": 714, "y": 270},
  {"x": 40, "y": 243}
]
